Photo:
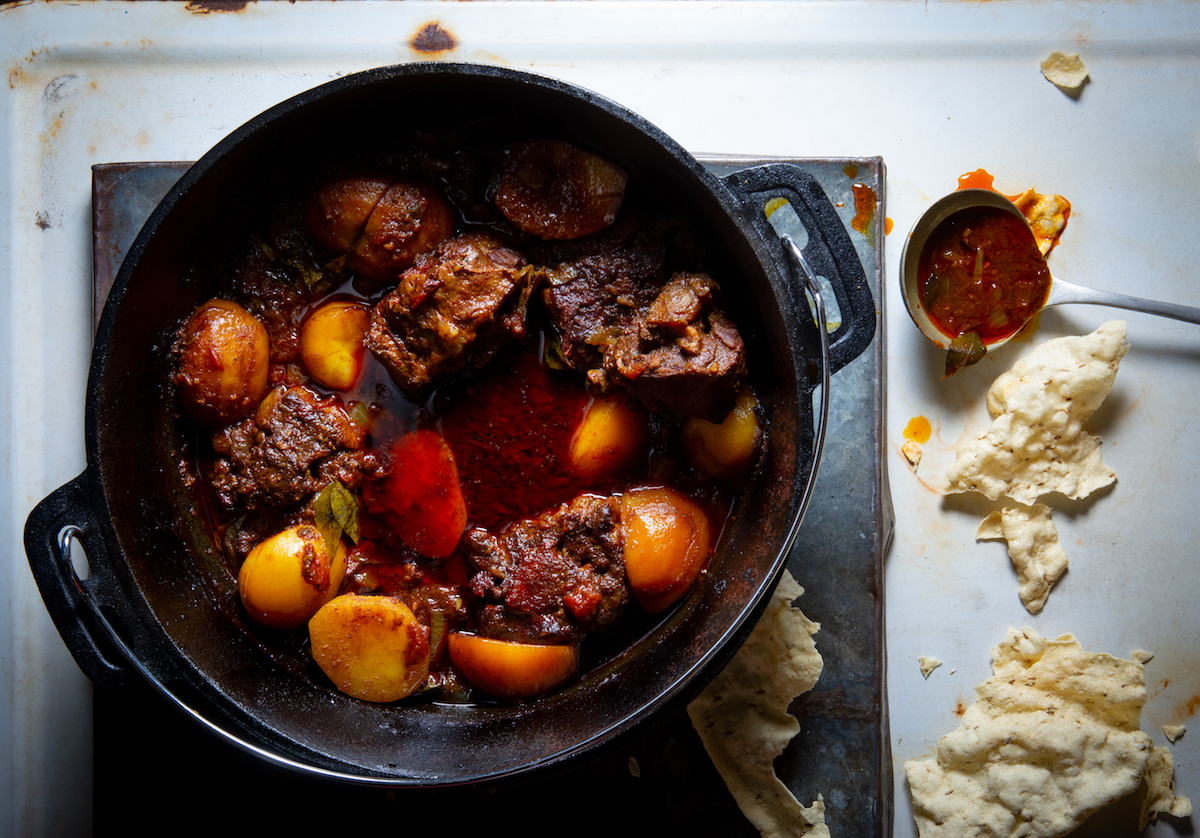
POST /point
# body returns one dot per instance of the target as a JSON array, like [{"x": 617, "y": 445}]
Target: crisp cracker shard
[
  {"x": 1174, "y": 732},
  {"x": 1064, "y": 71},
  {"x": 743, "y": 721},
  {"x": 1032, "y": 546},
  {"x": 1047, "y": 216},
  {"x": 911, "y": 452},
  {"x": 928, "y": 664},
  {"x": 1036, "y": 444},
  {"x": 1052, "y": 736},
  {"x": 1160, "y": 796}
]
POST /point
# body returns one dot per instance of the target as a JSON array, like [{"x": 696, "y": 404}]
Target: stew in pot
[{"x": 457, "y": 411}]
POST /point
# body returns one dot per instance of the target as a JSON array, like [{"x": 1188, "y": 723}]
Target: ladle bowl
[{"x": 1061, "y": 291}]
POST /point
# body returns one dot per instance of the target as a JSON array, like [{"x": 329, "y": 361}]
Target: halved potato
[
  {"x": 609, "y": 439},
  {"x": 511, "y": 670},
  {"x": 371, "y": 647},
  {"x": 285, "y": 579},
  {"x": 725, "y": 450},
  {"x": 667, "y": 539},
  {"x": 331, "y": 343}
]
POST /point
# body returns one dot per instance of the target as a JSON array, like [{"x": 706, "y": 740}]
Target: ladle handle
[{"x": 1066, "y": 292}]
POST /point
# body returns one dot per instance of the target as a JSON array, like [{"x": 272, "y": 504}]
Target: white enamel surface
[{"x": 936, "y": 89}]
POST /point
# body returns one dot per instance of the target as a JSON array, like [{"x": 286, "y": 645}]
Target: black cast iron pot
[{"x": 154, "y": 604}]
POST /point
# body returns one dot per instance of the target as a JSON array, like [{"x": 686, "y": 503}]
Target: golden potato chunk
[
  {"x": 609, "y": 439},
  {"x": 509, "y": 670},
  {"x": 667, "y": 540},
  {"x": 331, "y": 343},
  {"x": 371, "y": 647},
  {"x": 285, "y": 579},
  {"x": 224, "y": 356},
  {"x": 726, "y": 450}
]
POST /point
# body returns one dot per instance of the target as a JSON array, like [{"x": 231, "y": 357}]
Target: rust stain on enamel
[
  {"x": 433, "y": 38},
  {"x": 205, "y": 7}
]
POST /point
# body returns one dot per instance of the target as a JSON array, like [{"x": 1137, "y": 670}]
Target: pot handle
[
  {"x": 825, "y": 243},
  {"x": 64, "y": 517}
]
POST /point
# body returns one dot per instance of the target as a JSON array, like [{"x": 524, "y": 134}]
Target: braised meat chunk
[
  {"x": 293, "y": 445},
  {"x": 455, "y": 308},
  {"x": 684, "y": 355},
  {"x": 595, "y": 290},
  {"x": 553, "y": 577}
]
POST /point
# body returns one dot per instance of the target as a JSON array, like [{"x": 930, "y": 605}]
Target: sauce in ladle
[{"x": 981, "y": 271}]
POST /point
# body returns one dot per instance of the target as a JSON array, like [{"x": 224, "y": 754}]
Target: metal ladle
[{"x": 1061, "y": 291}]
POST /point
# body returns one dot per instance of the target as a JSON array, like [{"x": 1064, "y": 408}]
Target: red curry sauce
[{"x": 981, "y": 271}]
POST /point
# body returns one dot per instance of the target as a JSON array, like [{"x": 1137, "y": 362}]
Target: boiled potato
[
  {"x": 331, "y": 343},
  {"x": 726, "y": 450},
  {"x": 371, "y": 647},
  {"x": 509, "y": 670},
  {"x": 609, "y": 439},
  {"x": 285, "y": 579},
  {"x": 410, "y": 219},
  {"x": 225, "y": 354},
  {"x": 337, "y": 212},
  {"x": 555, "y": 190},
  {"x": 667, "y": 539}
]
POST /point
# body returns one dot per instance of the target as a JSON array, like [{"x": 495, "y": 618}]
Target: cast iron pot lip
[{"x": 734, "y": 209}]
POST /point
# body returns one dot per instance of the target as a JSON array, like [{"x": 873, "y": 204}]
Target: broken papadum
[
  {"x": 1160, "y": 790},
  {"x": 742, "y": 716},
  {"x": 1047, "y": 216},
  {"x": 1036, "y": 444},
  {"x": 1174, "y": 732},
  {"x": 1052, "y": 736},
  {"x": 1032, "y": 546},
  {"x": 1065, "y": 71},
  {"x": 928, "y": 663}
]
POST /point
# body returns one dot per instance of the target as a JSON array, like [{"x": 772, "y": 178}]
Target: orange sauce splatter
[
  {"x": 978, "y": 179},
  {"x": 887, "y": 226},
  {"x": 851, "y": 170},
  {"x": 918, "y": 430},
  {"x": 864, "y": 207}
]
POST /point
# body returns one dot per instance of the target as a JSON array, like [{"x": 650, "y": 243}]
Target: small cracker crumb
[
  {"x": 928, "y": 664},
  {"x": 1066, "y": 72},
  {"x": 1173, "y": 732},
  {"x": 912, "y": 452},
  {"x": 1141, "y": 656}
]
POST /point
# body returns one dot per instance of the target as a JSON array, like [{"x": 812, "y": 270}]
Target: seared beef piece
[
  {"x": 454, "y": 308},
  {"x": 684, "y": 356},
  {"x": 595, "y": 290},
  {"x": 278, "y": 275},
  {"x": 294, "y": 444},
  {"x": 553, "y": 577},
  {"x": 626, "y": 325}
]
